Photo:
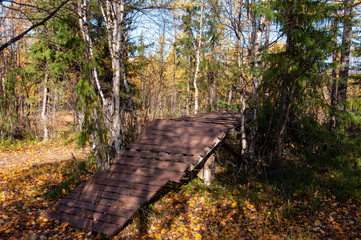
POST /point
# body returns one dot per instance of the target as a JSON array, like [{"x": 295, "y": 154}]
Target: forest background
[{"x": 292, "y": 66}]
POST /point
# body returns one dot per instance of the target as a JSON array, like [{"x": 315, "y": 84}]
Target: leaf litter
[{"x": 224, "y": 210}]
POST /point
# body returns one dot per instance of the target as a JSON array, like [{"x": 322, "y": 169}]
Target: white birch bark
[
  {"x": 83, "y": 23},
  {"x": 113, "y": 14},
  {"x": 43, "y": 109},
  {"x": 242, "y": 100},
  {"x": 188, "y": 85},
  {"x": 230, "y": 95},
  {"x": 198, "y": 60},
  {"x": 256, "y": 79}
]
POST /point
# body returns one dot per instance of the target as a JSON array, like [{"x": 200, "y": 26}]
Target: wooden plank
[
  {"x": 226, "y": 118},
  {"x": 193, "y": 149},
  {"x": 95, "y": 216},
  {"x": 156, "y": 156},
  {"x": 184, "y": 134},
  {"x": 173, "y": 142},
  {"x": 156, "y": 181},
  {"x": 120, "y": 197},
  {"x": 143, "y": 171},
  {"x": 183, "y": 144},
  {"x": 153, "y": 180},
  {"x": 217, "y": 120},
  {"x": 160, "y": 139},
  {"x": 188, "y": 129},
  {"x": 145, "y": 193},
  {"x": 96, "y": 208},
  {"x": 97, "y": 226},
  {"x": 222, "y": 122},
  {"x": 135, "y": 205},
  {"x": 150, "y": 163},
  {"x": 160, "y": 123},
  {"x": 130, "y": 185},
  {"x": 218, "y": 113}
]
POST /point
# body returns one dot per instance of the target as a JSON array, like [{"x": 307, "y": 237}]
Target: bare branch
[{"x": 21, "y": 35}]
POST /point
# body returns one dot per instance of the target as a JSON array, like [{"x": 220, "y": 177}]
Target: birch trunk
[
  {"x": 198, "y": 60},
  {"x": 242, "y": 100},
  {"x": 230, "y": 95},
  {"x": 97, "y": 142},
  {"x": 3, "y": 73},
  {"x": 83, "y": 24},
  {"x": 256, "y": 79},
  {"x": 188, "y": 85},
  {"x": 113, "y": 14},
  {"x": 43, "y": 109},
  {"x": 174, "y": 95}
]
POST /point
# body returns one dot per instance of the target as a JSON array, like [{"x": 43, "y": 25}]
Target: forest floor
[
  {"x": 304, "y": 203},
  {"x": 225, "y": 210}
]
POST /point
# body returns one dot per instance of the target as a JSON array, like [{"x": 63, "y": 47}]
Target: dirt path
[{"x": 38, "y": 154}]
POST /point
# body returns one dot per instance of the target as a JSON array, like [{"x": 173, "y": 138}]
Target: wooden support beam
[{"x": 207, "y": 173}]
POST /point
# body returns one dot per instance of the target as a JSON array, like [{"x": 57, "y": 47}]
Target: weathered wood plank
[
  {"x": 107, "y": 202},
  {"x": 107, "y": 228},
  {"x": 153, "y": 180},
  {"x": 145, "y": 193},
  {"x": 160, "y": 123},
  {"x": 180, "y": 139},
  {"x": 130, "y": 185},
  {"x": 102, "y": 194},
  {"x": 95, "y": 216},
  {"x": 121, "y": 212},
  {"x": 150, "y": 163},
  {"x": 183, "y": 142},
  {"x": 229, "y": 123},
  {"x": 143, "y": 170},
  {"x": 168, "y": 133},
  {"x": 193, "y": 149},
  {"x": 187, "y": 129},
  {"x": 156, "y": 156}
]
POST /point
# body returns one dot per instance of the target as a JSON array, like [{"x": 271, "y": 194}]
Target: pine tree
[{"x": 295, "y": 73}]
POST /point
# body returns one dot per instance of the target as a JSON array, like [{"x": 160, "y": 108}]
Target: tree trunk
[
  {"x": 188, "y": 85},
  {"x": 130, "y": 101},
  {"x": 114, "y": 22},
  {"x": 198, "y": 59},
  {"x": 333, "y": 96},
  {"x": 345, "y": 55},
  {"x": 174, "y": 94},
  {"x": 230, "y": 95},
  {"x": 242, "y": 100},
  {"x": 83, "y": 24},
  {"x": 267, "y": 34},
  {"x": 43, "y": 109},
  {"x": 256, "y": 58}
]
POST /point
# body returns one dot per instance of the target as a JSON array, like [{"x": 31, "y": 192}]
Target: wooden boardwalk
[{"x": 163, "y": 153}]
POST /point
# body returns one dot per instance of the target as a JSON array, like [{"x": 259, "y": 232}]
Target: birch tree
[
  {"x": 198, "y": 60},
  {"x": 116, "y": 23},
  {"x": 256, "y": 64}
]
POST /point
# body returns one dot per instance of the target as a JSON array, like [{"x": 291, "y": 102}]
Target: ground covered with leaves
[{"x": 299, "y": 205}]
